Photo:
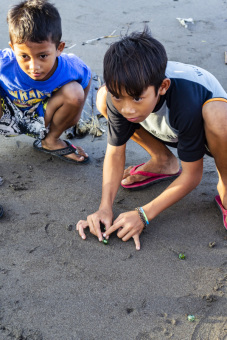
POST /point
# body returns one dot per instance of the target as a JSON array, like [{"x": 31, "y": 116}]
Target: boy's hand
[
  {"x": 81, "y": 225},
  {"x": 128, "y": 225},
  {"x": 93, "y": 222}
]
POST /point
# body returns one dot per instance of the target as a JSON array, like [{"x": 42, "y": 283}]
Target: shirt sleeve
[
  {"x": 191, "y": 144},
  {"x": 5, "y": 56},
  {"x": 80, "y": 70},
  {"x": 186, "y": 117},
  {"x": 120, "y": 130}
]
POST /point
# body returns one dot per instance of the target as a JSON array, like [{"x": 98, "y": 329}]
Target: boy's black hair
[
  {"x": 134, "y": 63},
  {"x": 35, "y": 21}
]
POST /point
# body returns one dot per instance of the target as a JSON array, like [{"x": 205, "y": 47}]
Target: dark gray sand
[{"x": 53, "y": 285}]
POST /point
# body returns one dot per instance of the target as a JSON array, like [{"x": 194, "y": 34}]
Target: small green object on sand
[
  {"x": 182, "y": 256},
  {"x": 103, "y": 228},
  {"x": 191, "y": 318}
]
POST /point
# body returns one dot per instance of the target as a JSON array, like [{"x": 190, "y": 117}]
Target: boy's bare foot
[
  {"x": 59, "y": 144},
  {"x": 170, "y": 167}
]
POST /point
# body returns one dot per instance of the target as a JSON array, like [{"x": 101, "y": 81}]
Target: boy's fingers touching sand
[
  {"x": 81, "y": 225},
  {"x": 136, "y": 239},
  {"x": 128, "y": 225},
  {"x": 94, "y": 223}
]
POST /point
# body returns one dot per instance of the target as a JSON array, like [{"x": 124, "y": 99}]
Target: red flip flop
[
  {"x": 154, "y": 178},
  {"x": 223, "y": 210}
]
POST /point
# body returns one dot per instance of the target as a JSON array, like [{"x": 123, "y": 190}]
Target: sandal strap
[{"x": 65, "y": 151}]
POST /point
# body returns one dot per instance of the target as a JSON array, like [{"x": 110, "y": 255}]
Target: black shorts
[{"x": 15, "y": 121}]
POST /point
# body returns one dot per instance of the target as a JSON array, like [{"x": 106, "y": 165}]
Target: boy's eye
[
  {"x": 137, "y": 99},
  {"x": 116, "y": 97},
  {"x": 43, "y": 56},
  {"x": 24, "y": 56}
]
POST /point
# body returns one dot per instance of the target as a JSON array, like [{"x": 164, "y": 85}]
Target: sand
[{"x": 55, "y": 286}]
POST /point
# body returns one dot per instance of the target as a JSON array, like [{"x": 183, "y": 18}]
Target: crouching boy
[
  {"x": 157, "y": 104},
  {"x": 42, "y": 91}
]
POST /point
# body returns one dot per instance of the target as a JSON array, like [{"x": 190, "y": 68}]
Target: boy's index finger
[
  {"x": 98, "y": 231},
  {"x": 113, "y": 228},
  {"x": 94, "y": 226}
]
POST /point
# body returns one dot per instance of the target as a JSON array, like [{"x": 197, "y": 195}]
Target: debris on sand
[
  {"x": 191, "y": 318},
  {"x": 100, "y": 38},
  {"x": 212, "y": 244},
  {"x": 18, "y": 186},
  {"x": 184, "y": 22},
  {"x": 70, "y": 227},
  {"x": 182, "y": 256},
  {"x": 89, "y": 121}
]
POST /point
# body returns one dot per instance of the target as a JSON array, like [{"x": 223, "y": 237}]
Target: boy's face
[
  {"x": 136, "y": 110},
  {"x": 37, "y": 60}
]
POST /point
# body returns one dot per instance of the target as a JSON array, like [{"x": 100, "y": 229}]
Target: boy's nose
[
  {"x": 34, "y": 66},
  {"x": 127, "y": 111}
]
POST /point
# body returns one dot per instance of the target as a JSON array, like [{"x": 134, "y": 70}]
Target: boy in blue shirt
[
  {"x": 157, "y": 104},
  {"x": 42, "y": 90}
]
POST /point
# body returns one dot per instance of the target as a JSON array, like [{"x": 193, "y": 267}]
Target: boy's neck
[{"x": 51, "y": 71}]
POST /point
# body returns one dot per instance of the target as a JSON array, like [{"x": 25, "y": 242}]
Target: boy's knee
[
  {"x": 73, "y": 94},
  {"x": 215, "y": 118},
  {"x": 101, "y": 101}
]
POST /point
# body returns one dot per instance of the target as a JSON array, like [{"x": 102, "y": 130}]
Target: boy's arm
[
  {"x": 113, "y": 169},
  {"x": 189, "y": 178},
  {"x": 187, "y": 181}
]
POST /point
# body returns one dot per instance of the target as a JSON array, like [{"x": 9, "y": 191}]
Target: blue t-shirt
[{"x": 25, "y": 92}]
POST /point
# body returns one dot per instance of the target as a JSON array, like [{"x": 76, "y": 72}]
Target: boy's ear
[
  {"x": 60, "y": 48},
  {"x": 164, "y": 86},
  {"x": 11, "y": 45}
]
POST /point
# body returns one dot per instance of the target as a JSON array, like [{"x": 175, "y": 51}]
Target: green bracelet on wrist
[
  {"x": 142, "y": 216},
  {"x": 145, "y": 216}
]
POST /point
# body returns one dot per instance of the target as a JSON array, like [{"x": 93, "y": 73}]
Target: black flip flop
[{"x": 61, "y": 153}]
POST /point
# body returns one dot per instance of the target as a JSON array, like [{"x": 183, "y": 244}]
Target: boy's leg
[
  {"x": 63, "y": 111},
  {"x": 215, "y": 123},
  {"x": 162, "y": 159}
]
